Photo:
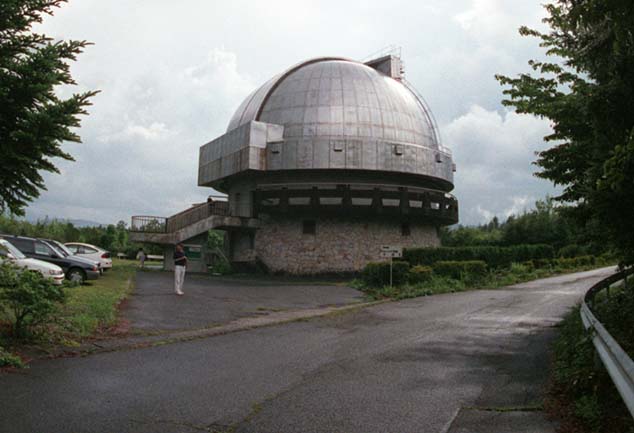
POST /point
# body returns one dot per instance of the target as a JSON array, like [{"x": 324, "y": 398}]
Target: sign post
[{"x": 391, "y": 251}]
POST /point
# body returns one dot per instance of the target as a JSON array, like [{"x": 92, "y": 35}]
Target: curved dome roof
[{"x": 335, "y": 97}]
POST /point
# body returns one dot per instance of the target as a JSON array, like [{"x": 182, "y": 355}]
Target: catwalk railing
[
  {"x": 154, "y": 224},
  {"x": 619, "y": 365}
]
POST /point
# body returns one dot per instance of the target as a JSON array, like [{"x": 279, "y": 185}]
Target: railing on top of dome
[
  {"x": 428, "y": 114},
  {"x": 389, "y": 49}
]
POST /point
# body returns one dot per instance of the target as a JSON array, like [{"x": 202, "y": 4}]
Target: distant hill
[
  {"x": 84, "y": 223},
  {"x": 75, "y": 222}
]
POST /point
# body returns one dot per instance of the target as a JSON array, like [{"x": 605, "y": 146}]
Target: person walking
[
  {"x": 180, "y": 264},
  {"x": 140, "y": 256}
]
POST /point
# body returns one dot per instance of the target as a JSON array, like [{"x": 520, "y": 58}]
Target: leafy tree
[
  {"x": 587, "y": 92},
  {"x": 543, "y": 225},
  {"x": 34, "y": 120}
]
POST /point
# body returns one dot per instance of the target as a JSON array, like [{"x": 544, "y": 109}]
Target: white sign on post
[{"x": 391, "y": 251}]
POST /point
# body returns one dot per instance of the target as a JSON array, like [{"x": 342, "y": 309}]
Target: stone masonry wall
[{"x": 339, "y": 245}]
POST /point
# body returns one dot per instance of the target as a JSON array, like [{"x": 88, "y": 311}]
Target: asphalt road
[
  {"x": 210, "y": 301},
  {"x": 443, "y": 364}
]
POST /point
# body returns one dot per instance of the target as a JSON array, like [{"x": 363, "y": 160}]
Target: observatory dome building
[
  {"x": 334, "y": 158},
  {"x": 322, "y": 166}
]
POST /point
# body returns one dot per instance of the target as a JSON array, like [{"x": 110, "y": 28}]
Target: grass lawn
[
  {"x": 93, "y": 305},
  {"x": 89, "y": 309}
]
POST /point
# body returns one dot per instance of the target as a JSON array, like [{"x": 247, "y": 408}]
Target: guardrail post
[{"x": 608, "y": 352}]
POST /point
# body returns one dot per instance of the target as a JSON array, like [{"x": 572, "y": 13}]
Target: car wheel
[{"x": 76, "y": 275}]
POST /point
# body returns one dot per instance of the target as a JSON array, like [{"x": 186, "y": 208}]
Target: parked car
[
  {"x": 75, "y": 268},
  {"x": 91, "y": 252},
  {"x": 15, "y": 256},
  {"x": 66, "y": 252}
]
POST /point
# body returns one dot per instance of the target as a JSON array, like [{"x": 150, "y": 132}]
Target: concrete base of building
[{"x": 328, "y": 245}]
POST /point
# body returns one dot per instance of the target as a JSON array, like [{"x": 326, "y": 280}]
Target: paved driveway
[
  {"x": 211, "y": 300},
  {"x": 472, "y": 362}
]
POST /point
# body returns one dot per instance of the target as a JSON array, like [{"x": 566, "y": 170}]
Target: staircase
[{"x": 189, "y": 223}]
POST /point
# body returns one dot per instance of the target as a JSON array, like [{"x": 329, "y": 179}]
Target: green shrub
[
  {"x": 460, "y": 270},
  {"x": 564, "y": 263},
  {"x": 10, "y": 360},
  {"x": 542, "y": 263},
  {"x": 520, "y": 268},
  {"x": 585, "y": 260},
  {"x": 493, "y": 256},
  {"x": 572, "y": 250},
  {"x": 30, "y": 298},
  {"x": 222, "y": 267},
  {"x": 528, "y": 265},
  {"x": 377, "y": 274},
  {"x": 420, "y": 274}
]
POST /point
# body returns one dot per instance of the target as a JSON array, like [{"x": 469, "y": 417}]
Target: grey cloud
[{"x": 171, "y": 77}]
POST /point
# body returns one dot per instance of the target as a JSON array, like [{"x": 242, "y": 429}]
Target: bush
[
  {"x": 542, "y": 263},
  {"x": 572, "y": 250},
  {"x": 494, "y": 257},
  {"x": 521, "y": 268},
  {"x": 460, "y": 270},
  {"x": 585, "y": 260},
  {"x": 29, "y": 297},
  {"x": 10, "y": 360},
  {"x": 377, "y": 274},
  {"x": 564, "y": 263},
  {"x": 420, "y": 274}
]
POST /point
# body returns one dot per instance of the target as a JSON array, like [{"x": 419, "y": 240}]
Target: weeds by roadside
[
  {"x": 85, "y": 311},
  {"x": 437, "y": 284},
  {"x": 581, "y": 393}
]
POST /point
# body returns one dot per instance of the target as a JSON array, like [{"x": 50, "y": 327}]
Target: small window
[
  {"x": 43, "y": 250},
  {"x": 24, "y": 245},
  {"x": 405, "y": 229},
  {"x": 309, "y": 227}
]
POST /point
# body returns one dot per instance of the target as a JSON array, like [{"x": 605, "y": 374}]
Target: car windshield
[
  {"x": 13, "y": 250},
  {"x": 63, "y": 248},
  {"x": 56, "y": 249}
]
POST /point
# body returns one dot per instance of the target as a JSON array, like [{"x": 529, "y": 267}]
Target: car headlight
[{"x": 55, "y": 272}]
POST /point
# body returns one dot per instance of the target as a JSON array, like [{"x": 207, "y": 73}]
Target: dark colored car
[
  {"x": 75, "y": 268},
  {"x": 64, "y": 251}
]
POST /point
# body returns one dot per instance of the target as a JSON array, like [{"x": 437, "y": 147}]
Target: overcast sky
[{"x": 172, "y": 73}]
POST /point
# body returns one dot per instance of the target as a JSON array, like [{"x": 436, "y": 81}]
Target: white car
[
  {"x": 91, "y": 252},
  {"x": 14, "y": 255}
]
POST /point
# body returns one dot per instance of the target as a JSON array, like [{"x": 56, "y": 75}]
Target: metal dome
[{"x": 339, "y": 98}]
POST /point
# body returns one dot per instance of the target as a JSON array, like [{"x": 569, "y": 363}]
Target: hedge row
[
  {"x": 494, "y": 257},
  {"x": 377, "y": 274},
  {"x": 460, "y": 270},
  {"x": 568, "y": 263}
]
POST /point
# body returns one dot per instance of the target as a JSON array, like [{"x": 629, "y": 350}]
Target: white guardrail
[{"x": 619, "y": 365}]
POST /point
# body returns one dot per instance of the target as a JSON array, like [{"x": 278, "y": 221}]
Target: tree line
[
  {"x": 112, "y": 237},
  {"x": 546, "y": 224}
]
